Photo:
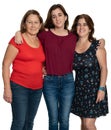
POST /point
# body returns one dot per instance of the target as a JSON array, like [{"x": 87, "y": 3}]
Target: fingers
[
  {"x": 18, "y": 41},
  {"x": 8, "y": 99},
  {"x": 99, "y": 99},
  {"x": 100, "y": 96}
]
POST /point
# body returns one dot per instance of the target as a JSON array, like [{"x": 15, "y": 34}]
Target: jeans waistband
[{"x": 54, "y": 75}]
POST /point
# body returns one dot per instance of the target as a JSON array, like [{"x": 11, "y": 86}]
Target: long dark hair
[{"x": 49, "y": 23}]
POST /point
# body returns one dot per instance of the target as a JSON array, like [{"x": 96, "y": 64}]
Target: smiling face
[
  {"x": 83, "y": 28},
  {"x": 58, "y": 18},
  {"x": 32, "y": 24}
]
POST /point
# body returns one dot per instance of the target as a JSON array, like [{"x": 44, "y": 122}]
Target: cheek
[
  {"x": 39, "y": 26},
  {"x": 77, "y": 30}
]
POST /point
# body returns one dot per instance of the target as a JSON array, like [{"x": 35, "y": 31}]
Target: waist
[{"x": 54, "y": 75}]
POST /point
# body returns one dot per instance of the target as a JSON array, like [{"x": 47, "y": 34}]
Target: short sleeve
[
  {"x": 95, "y": 44},
  {"x": 12, "y": 42}
]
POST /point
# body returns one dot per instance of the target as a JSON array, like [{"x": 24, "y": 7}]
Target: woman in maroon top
[{"x": 59, "y": 45}]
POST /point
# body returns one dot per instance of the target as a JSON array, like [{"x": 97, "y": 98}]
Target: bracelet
[{"x": 102, "y": 88}]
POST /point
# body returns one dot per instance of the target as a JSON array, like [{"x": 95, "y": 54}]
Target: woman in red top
[{"x": 23, "y": 89}]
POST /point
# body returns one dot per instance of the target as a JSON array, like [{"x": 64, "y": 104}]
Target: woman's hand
[
  {"x": 18, "y": 37},
  {"x": 44, "y": 71},
  {"x": 100, "y": 96},
  {"x": 101, "y": 43},
  {"x": 7, "y": 95}
]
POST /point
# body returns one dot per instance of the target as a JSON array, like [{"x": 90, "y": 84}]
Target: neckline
[
  {"x": 29, "y": 45},
  {"x": 59, "y": 35},
  {"x": 84, "y": 51}
]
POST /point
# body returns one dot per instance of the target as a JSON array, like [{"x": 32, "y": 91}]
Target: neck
[
  {"x": 32, "y": 36},
  {"x": 83, "y": 40},
  {"x": 60, "y": 31}
]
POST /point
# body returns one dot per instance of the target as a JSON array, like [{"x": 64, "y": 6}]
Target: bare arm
[
  {"x": 10, "y": 55},
  {"x": 18, "y": 37},
  {"x": 101, "y": 55}
]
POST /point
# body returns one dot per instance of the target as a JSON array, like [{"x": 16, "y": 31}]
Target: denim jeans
[
  {"x": 58, "y": 94},
  {"x": 25, "y": 103}
]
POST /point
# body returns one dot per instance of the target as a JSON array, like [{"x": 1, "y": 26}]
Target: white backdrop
[{"x": 11, "y": 13}]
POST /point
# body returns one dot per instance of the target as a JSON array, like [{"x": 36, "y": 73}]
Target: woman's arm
[
  {"x": 19, "y": 40},
  {"x": 10, "y": 55},
  {"x": 101, "y": 56}
]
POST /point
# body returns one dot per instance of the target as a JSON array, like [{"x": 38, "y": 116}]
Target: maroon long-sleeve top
[{"x": 59, "y": 52}]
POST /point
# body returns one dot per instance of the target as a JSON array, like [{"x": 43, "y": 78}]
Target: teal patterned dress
[{"x": 87, "y": 81}]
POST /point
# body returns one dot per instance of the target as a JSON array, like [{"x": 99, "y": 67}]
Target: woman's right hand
[
  {"x": 7, "y": 95},
  {"x": 44, "y": 71},
  {"x": 18, "y": 37}
]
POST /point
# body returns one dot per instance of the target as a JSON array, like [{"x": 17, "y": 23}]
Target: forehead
[
  {"x": 82, "y": 20},
  {"x": 33, "y": 17},
  {"x": 56, "y": 11}
]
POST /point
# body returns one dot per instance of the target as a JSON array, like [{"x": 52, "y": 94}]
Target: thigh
[
  {"x": 33, "y": 103},
  {"x": 66, "y": 95},
  {"x": 19, "y": 101},
  {"x": 50, "y": 91}
]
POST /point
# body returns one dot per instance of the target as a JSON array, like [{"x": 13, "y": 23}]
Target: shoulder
[
  {"x": 13, "y": 43},
  {"x": 73, "y": 36},
  {"x": 95, "y": 44},
  {"x": 43, "y": 32}
]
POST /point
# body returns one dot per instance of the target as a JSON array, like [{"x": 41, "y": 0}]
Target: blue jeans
[
  {"x": 25, "y": 103},
  {"x": 58, "y": 94}
]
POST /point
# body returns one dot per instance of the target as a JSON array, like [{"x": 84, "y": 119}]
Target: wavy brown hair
[
  {"x": 89, "y": 22},
  {"x": 49, "y": 23}
]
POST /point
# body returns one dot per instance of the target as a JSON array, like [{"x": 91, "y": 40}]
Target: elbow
[{"x": 5, "y": 65}]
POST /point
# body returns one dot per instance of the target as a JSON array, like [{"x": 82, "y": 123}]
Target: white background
[{"x": 11, "y": 13}]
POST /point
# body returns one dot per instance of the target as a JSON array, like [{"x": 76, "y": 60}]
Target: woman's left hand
[{"x": 100, "y": 96}]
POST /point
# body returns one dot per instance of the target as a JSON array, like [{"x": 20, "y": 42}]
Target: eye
[
  {"x": 85, "y": 24},
  {"x": 29, "y": 22},
  {"x": 53, "y": 17},
  {"x": 36, "y": 22},
  {"x": 60, "y": 14},
  {"x": 78, "y": 24}
]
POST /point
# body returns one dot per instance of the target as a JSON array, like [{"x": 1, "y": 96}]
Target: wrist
[{"x": 102, "y": 88}]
